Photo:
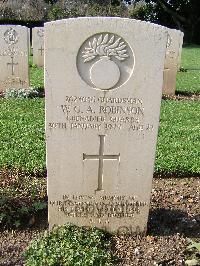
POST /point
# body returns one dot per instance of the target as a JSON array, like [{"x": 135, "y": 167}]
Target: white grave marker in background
[
  {"x": 14, "y": 51},
  {"x": 172, "y": 60},
  {"x": 38, "y": 46},
  {"x": 103, "y": 80}
]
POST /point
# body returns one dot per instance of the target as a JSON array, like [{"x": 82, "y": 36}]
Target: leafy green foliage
[
  {"x": 178, "y": 148},
  {"x": 193, "y": 254},
  {"x": 84, "y": 10},
  {"x": 23, "y": 93},
  {"x": 71, "y": 245},
  {"x": 22, "y": 139},
  {"x": 22, "y": 197},
  {"x": 180, "y": 14}
]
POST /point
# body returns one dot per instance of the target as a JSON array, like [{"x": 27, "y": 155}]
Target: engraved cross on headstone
[
  {"x": 41, "y": 50},
  {"x": 12, "y": 64},
  {"x": 101, "y": 157}
]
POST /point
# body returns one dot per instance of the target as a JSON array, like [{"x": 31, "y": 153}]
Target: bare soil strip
[{"x": 174, "y": 218}]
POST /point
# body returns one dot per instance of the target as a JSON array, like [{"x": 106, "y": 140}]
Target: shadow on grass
[
  {"x": 175, "y": 175},
  {"x": 186, "y": 93},
  {"x": 191, "y": 46},
  {"x": 166, "y": 222}
]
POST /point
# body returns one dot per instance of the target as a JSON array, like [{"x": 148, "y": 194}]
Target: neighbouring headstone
[
  {"x": 180, "y": 51},
  {"x": 172, "y": 60},
  {"x": 29, "y": 40},
  {"x": 14, "y": 51},
  {"x": 103, "y": 91},
  {"x": 38, "y": 46}
]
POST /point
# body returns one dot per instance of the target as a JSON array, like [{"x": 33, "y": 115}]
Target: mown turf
[
  {"x": 36, "y": 77},
  {"x": 178, "y": 148},
  {"x": 22, "y": 142},
  {"x": 191, "y": 57},
  {"x": 189, "y": 82}
]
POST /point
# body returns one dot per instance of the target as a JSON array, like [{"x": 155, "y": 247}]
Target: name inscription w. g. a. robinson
[{"x": 102, "y": 113}]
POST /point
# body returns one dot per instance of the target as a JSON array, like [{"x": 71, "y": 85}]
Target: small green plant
[
  {"x": 69, "y": 245},
  {"x": 23, "y": 93},
  {"x": 22, "y": 197},
  {"x": 193, "y": 254}
]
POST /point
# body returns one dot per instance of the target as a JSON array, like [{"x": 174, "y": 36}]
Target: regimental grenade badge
[
  {"x": 11, "y": 36},
  {"x": 105, "y": 61},
  {"x": 40, "y": 33}
]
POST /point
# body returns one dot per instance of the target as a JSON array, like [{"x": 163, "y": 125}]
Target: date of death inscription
[
  {"x": 101, "y": 113},
  {"x": 104, "y": 207}
]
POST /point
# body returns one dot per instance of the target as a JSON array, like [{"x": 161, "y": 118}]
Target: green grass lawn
[
  {"x": 22, "y": 142},
  {"x": 189, "y": 81},
  {"x": 36, "y": 77},
  {"x": 191, "y": 57},
  {"x": 178, "y": 148}
]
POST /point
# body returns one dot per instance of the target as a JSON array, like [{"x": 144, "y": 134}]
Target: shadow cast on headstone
[{"x": 166, "y": 222}]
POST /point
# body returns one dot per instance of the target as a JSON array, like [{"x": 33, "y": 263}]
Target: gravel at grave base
[
  {"x": 13, "y": 243},
  {"x": 182, "y": 97},
  {"x": 174, "y": 217}
]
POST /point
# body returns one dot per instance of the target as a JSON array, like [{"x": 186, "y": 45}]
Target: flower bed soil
[{"x": 174, "y": 219}]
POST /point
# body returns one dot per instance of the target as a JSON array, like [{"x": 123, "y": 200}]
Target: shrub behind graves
[
  {"x": 71, "y": 245},
  {"x": 86, "y": 10}
]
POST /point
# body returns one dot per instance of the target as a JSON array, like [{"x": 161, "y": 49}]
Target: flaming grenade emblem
[{"x": 105, "y": 54}]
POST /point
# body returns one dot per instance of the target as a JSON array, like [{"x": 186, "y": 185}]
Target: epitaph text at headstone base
[
  {"x": 14, "y": 53},
  {"x": 172, "y": 60},
  {"x": 102, "y": 110},
  {"x": 38, "y": 46}
]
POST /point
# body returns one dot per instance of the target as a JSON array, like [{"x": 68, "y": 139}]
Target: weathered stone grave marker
[
  {"x": 14, "y": 57},
  {"x": 38, "y": 46},
  {"x": 172, "y": 60},
  {"x": 103, "y": 92}
]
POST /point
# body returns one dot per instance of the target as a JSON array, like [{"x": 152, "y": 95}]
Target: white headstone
[
  {"x": 172, "y": 60},
  {"x": 103, "y": 91},
  {"x": 180, "y": 51},
  {"x": 29, "y": 40},
  {"x": 38, "y": 46},
  {"x": 14, "y": 51}
]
